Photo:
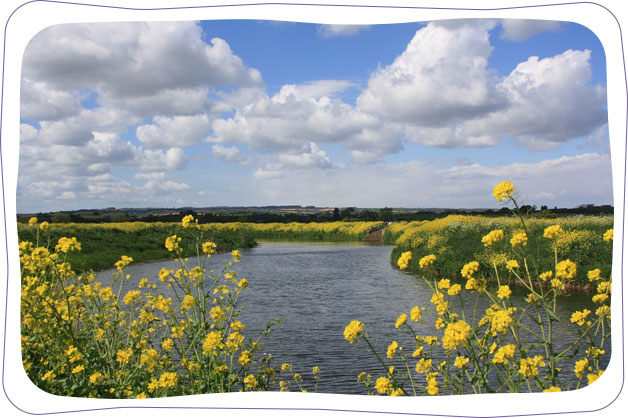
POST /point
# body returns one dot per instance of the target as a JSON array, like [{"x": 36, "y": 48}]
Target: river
[{"x": 316, "y": 289}]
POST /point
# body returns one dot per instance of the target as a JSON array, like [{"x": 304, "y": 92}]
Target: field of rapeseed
[{"x": 505, "y": 347}]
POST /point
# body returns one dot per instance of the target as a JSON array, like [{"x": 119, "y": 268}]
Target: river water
[{"x": 316, "y": 289}]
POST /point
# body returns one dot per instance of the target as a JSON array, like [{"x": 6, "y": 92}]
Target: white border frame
[{"x": 23, "y": 20}]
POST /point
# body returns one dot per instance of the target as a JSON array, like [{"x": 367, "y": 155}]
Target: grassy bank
[
  {"x": 457, "y": 240},
  {"x": 103, "y": 244}
]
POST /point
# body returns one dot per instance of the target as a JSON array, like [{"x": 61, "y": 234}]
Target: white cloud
[
  {"x": 330, "y": 31},
  {"x": 132, "y": 59},
  {"x": 314, "y": 157},
  {"x": 176, "y": 131},
  {"x": 40, "y": 102},
  {"x": 156, "y": 160},
  {"x": 264, "y": 173},
  {"x": 441, "y": 78},
  {"x": 550, "y": 102},
  {"x": 229, "y": 154},
  {"x": 167, "y": 186},
  {"x": 522, "y": 29}
]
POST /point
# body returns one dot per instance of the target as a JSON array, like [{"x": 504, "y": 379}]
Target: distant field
[{"x": 457, "y": 239}]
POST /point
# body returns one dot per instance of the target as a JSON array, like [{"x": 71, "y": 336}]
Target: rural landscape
[{"x": 434, "y": 217}]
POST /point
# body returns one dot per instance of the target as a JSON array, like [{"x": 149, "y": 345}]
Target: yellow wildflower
[
  {"x": 608, "y": 235},
  {"x": 552, "y": 231},
  {"x": 404, "y": 260},
  {"x": 566, "y": 269},
  {"x": 212, "y": 341},
  {"x": 461, "y": 361},
  {"x": 529, "y": 367},
  {"x": 503, "y": 191},
  {"x": 469, "y": 269},
  {"x": 444, "y": 284},
  {"x": 492, "y": 237},
  {"x": 456, "y": 334},
  {"x": 401, "y": 320},
  {"x": 383, "y": 385},
  {"x": 353, "y": 330},
  {"x": 504, "y": 292},
  {"x": 553, "y": 389},
  {"x": 580, "y": 367},
  {"x": 580, "y": 316},
  {"x": 415, "y": 313},
  {"x": 424, "y": 365},
  {"x": 209, "y": 248},
  {"x": 504, "y": 353},
  {"x": 592, "y": 377},
  {"x": 392, "y": 349},
  {"x": 250, "y": 381},
  {"x": 454, "y": 290},
  {"x": 427, "y": 260},
  {"x": 31, "y": 222},
  {"x": 519, "y": 238}
]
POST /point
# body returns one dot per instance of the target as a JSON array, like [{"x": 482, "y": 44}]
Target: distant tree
[
  {"x": 386, "y": 214},
  {"x": 336, "y": 214},
  {"x": 347, "y": 213},
  {"x": 60, "y": 218},
  {"x": 544, "y": 207}
]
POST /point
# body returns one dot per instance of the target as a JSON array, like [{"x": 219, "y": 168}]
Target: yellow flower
[
  {"x": 250, "y": 381},
  {"x": 172, "y": 243},
  {"x": 461, "y": 361},
  {"x": 212, "y": 341},
  {"x": 167, "y": 344},
  {"x": 454, "y": 290},
  {"x": 415, "y": 313},
  {"x": 49, "y": 375},
  {"x": 168, "y": 380},
  {"x": 512, "y": 264},
  {"x": 552, "y": 231},
  {"x": 504, "y": 292},
  {"x": 78, "y": 369},
  {"x": 31, "y": 222},
  {"x": 383, "y": 385},
  {"x": 141, "y": 395},
  {"x": 123, "y": 356},
  {"x": 500, "y": 319},
  {"x": 96, "y": 378},
  {"x": 557, "y": 284},
  {"x": 123, "y": 262},
  {"x": 553, "y": 389},
  {"x": 424, "y": 365},
  {"x": 592, "y": 377},
  {"x": 432, "y": 386},
  {"x": 504, "y": 353},
  {"x": 427, "y": 260},
  {"x": 503, "y": 191},
  {"x": 456, "y": 334},
  {"x": 286, "y": 367},
  {"x": 600, "y": 298},
  {"x": 438, "y": 299},
  {"x": 66, "y": 245},
  {"x": 608, "y": 235},
  {"x": 404, "y": 259},
  {"x": 392, "y": 349},
  {"x": 216, "y": 313},
  {"x": 580, "y": 367},
  {"x": 469, "y": 269},
  {"x": 492, "y": 237},
  {"x": 188, "y": 302},
  {"x": 245, "y": 358},
  {"x": 209, "y": 247},
  {"x": 594, "y": 275},
  {"x": 546, "y": 275},
  {"x": 188, "y": 221},
  {"x": 529, "y": 367},
  {"x": 401, "y": 320},
  {"x": 579, "y": 316},
  {"x": 397, "y": 392},
  {"x": 131, "y": 297},
  {"x": 353, "y": 330},
  {"x": 519, "y": 238},
  {"x": 44, "y": 225},
  {"x": 566, "y": 269},
  {"x": 444, "y": 284}
]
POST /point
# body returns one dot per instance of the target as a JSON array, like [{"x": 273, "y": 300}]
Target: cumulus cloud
[
  {"x": 157, "y": 160},
  {"x": 133, "y": 59},
  {"x": 38, "y": 101},
  {"x": 330, "y": 31},
  {"x": 314, "y": 157},
  {"x": 441, "y": 78},
  {"x": 550, "y": 102},
  {"x": 229, "y": 154},
  {"x": 522, "y": 29},
  {"x": 176, "y": 131}
]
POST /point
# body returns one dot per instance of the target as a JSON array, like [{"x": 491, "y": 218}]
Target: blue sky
[{"x": 213, "y": 113}]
